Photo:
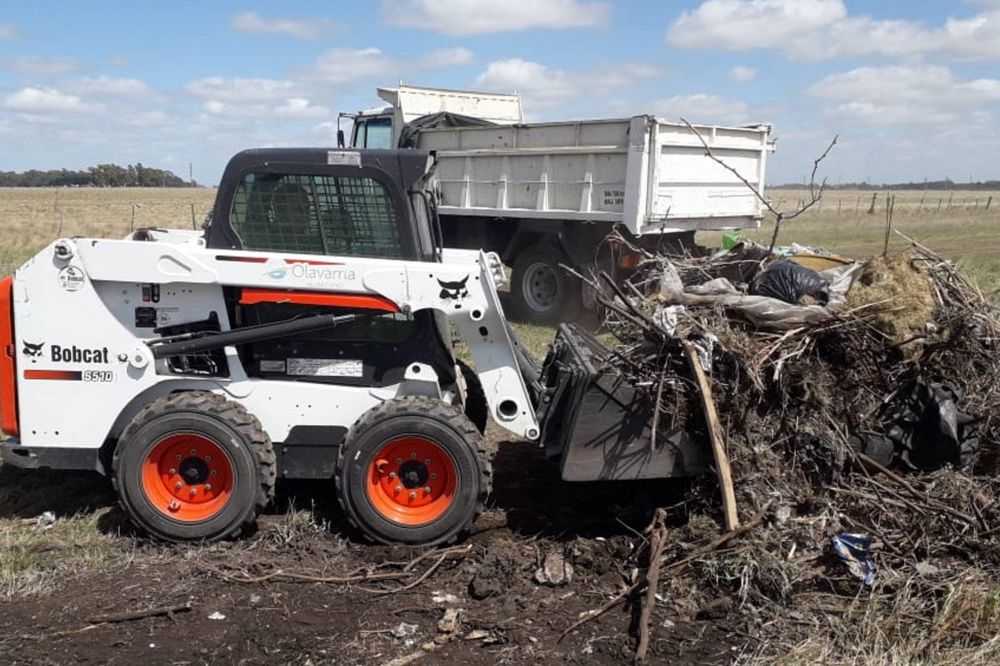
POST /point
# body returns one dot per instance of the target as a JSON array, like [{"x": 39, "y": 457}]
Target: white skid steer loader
[{"x": 303, "y": 333}]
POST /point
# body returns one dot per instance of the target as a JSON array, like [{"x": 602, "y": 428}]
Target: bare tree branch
[{"x": 779, "y": 216}]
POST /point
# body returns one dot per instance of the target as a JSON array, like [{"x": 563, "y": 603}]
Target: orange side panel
[
  {"x": 58, "y": 375},
  {"x": 8, "y": 369},
  {"x": 354, "y": 301}
]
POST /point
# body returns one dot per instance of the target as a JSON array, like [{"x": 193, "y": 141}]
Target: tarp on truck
[{"x": 408, "y": 137}]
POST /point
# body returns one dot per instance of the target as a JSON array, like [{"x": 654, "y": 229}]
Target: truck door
[{"x": 373, "y": 132}]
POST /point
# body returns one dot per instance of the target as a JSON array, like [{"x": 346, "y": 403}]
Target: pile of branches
[{"x": 799, "y": 409}]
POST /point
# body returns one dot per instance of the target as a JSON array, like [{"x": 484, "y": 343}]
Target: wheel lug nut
[
  {"x": 427, "y": 490},
  {"x": 398, "y": 489},
  {"x": 177, "y": 486},
  {"x": 427, "y": 461},
  {"x": 174, "y": 505},
  {"x": 214, "y": 473},
  {"x": 194, "y": 452},
  {"x": 194, "y": 491},
  {"x": 434, "y": 475},
  {"x": 208, "y": 459},
  {"x": 413, "y": 495},
  {"x": 172, "y": 470},
  {"x": 399, "y": 461},
  {"x": 178, "y": 456},
  {"x": 208, "y": 486},
  {"x": 392, "y": 475},
  {"x": 413, "y": 456}
]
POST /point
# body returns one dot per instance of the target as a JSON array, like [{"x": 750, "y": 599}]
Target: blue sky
[{"x": 912, "y": 88}]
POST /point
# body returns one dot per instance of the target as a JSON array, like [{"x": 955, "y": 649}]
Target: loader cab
[
  {"x": 364, "y": 203},
  {"x": 337, "y": 205}
]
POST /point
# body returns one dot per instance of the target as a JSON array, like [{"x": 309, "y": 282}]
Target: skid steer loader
[{"x": 304, "y": 332}]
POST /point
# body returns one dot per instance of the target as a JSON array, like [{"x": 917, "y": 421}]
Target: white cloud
[
  {"x": 742, "y": 74},
  {"x": 904, "y": 95},
  {"x": 293, "y": 108},
  {"x": 340, "y": 66},
  {"x": 476, "y": 17},
  {"x": 36, "y": 101},
  {"x": 240, "y": 90},
  {"x": 701, "y": 108},
  {"x": 812, "y": 30},
  {"x": 301, "y": 28},
  {"x": 736, "y": 25},
  {"x": 8, "y": 31},
  {"x": 543, "y": 86},
  {"x": 299, "y": 108},
  {"x": 452, "y": 57},
  {"x": 112, "y": 87},
  {"x": 38, "y": 66}
]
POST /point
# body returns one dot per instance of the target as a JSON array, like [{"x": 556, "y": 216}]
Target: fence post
[
  {"x": 988, "y": 202},
  {"x": 871, "y": 208}
]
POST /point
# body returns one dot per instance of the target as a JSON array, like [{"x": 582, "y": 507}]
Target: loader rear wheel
[
  {"x": 413, "y": 471},
  {"x": 194, "y": 466}
]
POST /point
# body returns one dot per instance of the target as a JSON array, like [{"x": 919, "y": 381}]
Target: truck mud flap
[{"x": 598, "y": 425}]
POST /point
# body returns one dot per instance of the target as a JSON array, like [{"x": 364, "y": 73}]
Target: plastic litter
[{"x": 855, "y": 551}]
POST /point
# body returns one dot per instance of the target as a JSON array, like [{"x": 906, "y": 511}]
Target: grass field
[
  {"x": 957, "y": 225},
  {"x": 90, "y": 535}
]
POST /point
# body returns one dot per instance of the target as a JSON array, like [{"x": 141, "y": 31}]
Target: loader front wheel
[
  {"x": 194, "y": 466},
  {"x": 413, "y": 471}
]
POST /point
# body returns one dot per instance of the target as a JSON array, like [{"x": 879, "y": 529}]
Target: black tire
[
  {"x": 397, "y": 421},
  {"x": 476, "y": 408},
  {"x": 541, "y": 292},
  {"x": 215, "y": 425}
]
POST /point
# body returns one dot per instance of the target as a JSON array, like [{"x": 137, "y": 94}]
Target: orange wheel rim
[
  {"x": 187, "y": 477},
  {"x": 411, "y": 481}
]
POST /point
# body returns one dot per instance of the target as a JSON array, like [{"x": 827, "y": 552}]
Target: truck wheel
[
  {"x": 541, "y": 292},
  {"x": 413, "y": 471},
  {"x": 194, "y": 466},
  {"x": 476, "y": 408}
]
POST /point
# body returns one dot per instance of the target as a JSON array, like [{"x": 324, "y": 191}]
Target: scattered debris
[
  {"x": 216, "y": 616},
  {"x": 556, "y": 570},
  {"x": 855, "y": 550},
  {"x": 449, "y": 623}
]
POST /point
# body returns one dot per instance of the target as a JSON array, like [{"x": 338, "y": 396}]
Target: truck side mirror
[{"x": 340, "y": 138}]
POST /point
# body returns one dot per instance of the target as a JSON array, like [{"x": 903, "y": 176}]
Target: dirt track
[{"x": 282, "y": 621}]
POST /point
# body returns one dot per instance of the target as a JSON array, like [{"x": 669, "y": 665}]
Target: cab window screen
[{"x": 335, "y": 215}]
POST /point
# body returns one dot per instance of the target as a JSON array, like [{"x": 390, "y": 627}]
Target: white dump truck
[{"x": 549, "y": 193}]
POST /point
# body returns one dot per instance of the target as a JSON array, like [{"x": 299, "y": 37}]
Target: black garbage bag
[
  {"x": 792, "y": 283},
  {"x": 925, "y": 429}
]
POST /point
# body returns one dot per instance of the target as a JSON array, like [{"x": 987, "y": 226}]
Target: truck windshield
[
  {"x": 374, "y": 133},
  {"x": 316, "y": 214}
]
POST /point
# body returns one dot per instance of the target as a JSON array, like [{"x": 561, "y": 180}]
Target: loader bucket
[{"x": 599, "y": 425}]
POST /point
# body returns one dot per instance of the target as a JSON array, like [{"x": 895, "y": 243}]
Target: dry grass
[
  {"x": 31, "y": 218},
  {"x": 35, "y": 555},
  {"x": 897, "y": 293}
]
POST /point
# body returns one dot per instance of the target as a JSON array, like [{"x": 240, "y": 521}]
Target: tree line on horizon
[
  {"x": 102, "y": 175},
  {"x": 936, "y": 185}
]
